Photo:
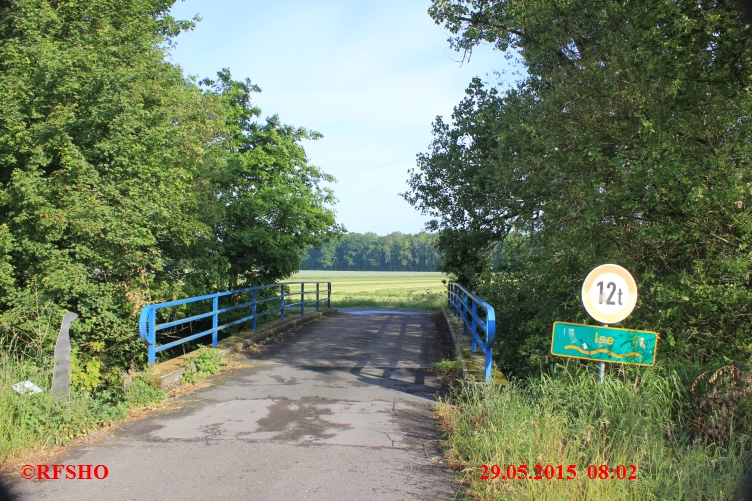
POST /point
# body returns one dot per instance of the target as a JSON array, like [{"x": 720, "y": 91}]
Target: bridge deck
[{"x": 339, "y": 410}]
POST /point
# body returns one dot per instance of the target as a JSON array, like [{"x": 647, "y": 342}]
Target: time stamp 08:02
[{"x": 558, "y": 472}]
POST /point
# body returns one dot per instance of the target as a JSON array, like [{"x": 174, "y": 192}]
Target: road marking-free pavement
[{"x": 340, "y": 410}]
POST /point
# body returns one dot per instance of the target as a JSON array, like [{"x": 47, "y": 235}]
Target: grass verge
[
  {"x": 428, "y": 301},
  {"x": 573, "y": 420},
  {"x": 41, "y": 420}
]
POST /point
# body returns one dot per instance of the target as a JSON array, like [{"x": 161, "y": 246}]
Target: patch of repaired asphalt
[
  {"x": 296, "y": 421},
  {"x": 285, "y": 381}
]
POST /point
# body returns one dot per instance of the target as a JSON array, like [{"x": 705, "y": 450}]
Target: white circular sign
[{"x": 609, "y": 293}]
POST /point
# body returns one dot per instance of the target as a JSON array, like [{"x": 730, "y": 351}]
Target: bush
[
  {"x": 143, "y": 391},
  {"x": 207, "y": 361},
  {"x": 43, "y": 420}
]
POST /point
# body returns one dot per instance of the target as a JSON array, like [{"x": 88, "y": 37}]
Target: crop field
[{"x": 382, "y": 289}]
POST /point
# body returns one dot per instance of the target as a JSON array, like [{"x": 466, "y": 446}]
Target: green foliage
[
  {"x": 444, "y": 366},
  {"x": 370, "y": 252},
  {"x": 123, "y": 183},
  {"x": 27, "y": 331},
  {"x": 143, "y": 391},
  {"x": 84, "y": 376},
  {"x": 627, "y": 143},
  {"x": 99, "y": 144},
  {"x": 206, "y": 361},
  {"x": 43, "y": 420},
  {"x": 270, "y": 206},
  {"x": 570, "y": 418}
]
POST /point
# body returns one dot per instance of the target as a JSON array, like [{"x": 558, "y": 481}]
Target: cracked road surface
[{"x": 340, "y": 410}]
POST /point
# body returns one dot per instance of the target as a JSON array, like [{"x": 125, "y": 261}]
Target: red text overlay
[
  {"x": 558, "y": 472},
  {"x": 64, "y": 471}
]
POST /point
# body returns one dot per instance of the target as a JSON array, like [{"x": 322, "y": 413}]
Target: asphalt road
[{"x": 340, "y": 410}]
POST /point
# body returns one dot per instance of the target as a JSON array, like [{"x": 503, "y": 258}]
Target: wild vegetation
[
  {"x": 124, "y": 182},
  {"x": 371, "y": 252},
  {"x": 207, "y": 361},
  {"x": 627, "y": 142},
  {"x": 637, "y": 420},
  {"x": 41, "y": 420}
]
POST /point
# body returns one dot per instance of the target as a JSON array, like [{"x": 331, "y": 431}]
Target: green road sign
[{"x": 604, "y": 344}]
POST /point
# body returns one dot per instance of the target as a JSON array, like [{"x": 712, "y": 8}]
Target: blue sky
[{"x": 371, "y": 76}]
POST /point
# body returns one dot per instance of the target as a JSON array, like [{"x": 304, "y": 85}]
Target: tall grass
[
  {"x": 41, "y": 420},
  {"x": 572, "y": 419}
]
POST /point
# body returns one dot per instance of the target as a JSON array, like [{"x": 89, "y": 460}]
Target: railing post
[
  {"x": 302, "y": 298},
  {"x": 328, "y": 294},
  {"x": 490, "y": 338},
  {"x": 253, "y": 307},
  {"x": 490, "y": 326},
  {"x": 474, "y": 324},
  {"x": 282, "y": 301},
  {"x": 464, "y": 317},
  {"x": 215, "y": 320},
  {"x": 458, "y": 298},
  {"x": 152, "y": 337},
  {"x": 317, "y": 296},
  {"x": 488, "y": 364}
]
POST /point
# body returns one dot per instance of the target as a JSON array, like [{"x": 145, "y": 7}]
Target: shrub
[{"x": 207, "y": 361}]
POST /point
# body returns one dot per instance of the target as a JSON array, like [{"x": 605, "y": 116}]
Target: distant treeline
[{"x": 371, "y": 252}]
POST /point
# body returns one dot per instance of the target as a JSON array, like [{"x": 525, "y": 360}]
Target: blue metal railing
[
  {"x": 464, "y": 304},
  {"x": 148, "y": 326}
]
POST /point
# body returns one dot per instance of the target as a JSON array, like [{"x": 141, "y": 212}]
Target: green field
[{"x": 382, "y": 289}]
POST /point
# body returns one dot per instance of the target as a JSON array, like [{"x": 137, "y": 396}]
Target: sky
[{"x": 371, "y": 76}]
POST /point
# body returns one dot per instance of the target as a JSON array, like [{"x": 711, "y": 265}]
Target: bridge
[{"x": 340, "y": 409}]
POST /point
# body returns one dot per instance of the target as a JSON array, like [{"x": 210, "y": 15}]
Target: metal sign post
[
  {"x": 602, "y": 365},
  {"x": 609, "y": 295}
]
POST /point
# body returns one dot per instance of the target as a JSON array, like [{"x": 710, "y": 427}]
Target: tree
[
  {"x": 627, "y": 142},
  {"x": 101, "y": 143},
  {"x": 124, "y": 183},
  {"x": 370, "y": 252},
  {"x": 271, "y": 205}
]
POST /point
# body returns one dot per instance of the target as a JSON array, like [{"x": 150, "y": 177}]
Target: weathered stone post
[{"x": 61, "y": 372}]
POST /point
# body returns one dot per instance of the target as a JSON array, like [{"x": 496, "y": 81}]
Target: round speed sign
[{"x": 609, "y": 293}]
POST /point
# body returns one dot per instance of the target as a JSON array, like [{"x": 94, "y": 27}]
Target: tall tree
[
  {"x": 101, "y": 143},
  {"x": 272, "y": 205},
  {"x": 123, "y": 183},
  {"x": 370, "y": 252},
  {"x": 627, "y": 142}
]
